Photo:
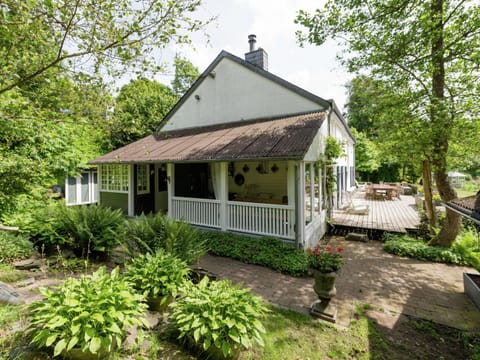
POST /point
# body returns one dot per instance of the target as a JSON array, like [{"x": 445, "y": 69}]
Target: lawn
[
  {"x": 469, "y": 188},
  {"x": 290, "y": 335}
]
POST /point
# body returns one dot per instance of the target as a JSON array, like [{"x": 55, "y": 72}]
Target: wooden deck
[{"x": 397, "y": 215}]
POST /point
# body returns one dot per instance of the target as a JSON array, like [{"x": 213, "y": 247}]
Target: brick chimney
[{"x": 258, "y": 57}]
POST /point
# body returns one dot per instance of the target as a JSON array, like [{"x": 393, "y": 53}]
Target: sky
[{"x": 313, "y": 68}]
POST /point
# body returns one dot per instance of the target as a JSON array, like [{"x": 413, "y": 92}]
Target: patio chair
[{"x": 369, "y": 193}]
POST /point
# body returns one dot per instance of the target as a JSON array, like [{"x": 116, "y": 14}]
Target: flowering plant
[{"x": 325, "y": 259}]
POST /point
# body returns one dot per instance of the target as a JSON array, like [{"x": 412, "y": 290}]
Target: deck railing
[
  {"x": 264, "y": 219},
  {"x": 248, "y": 217},
  {"x": 203, "y": 212}
]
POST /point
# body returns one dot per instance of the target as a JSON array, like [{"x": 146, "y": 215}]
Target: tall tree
[
  {"x": 431, "y": 48},
  {"x": 185, "y": 75},
  {"x": 106, "y": 35},
  {"x": 140, "y": 107}
]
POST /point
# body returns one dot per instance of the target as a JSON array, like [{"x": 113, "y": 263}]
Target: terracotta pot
[{"x": 324, "y": 284}]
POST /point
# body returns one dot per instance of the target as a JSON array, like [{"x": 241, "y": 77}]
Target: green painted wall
[{"x": 114, "y": 200}]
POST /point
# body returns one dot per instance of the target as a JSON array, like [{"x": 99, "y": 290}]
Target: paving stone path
[{"x": 391, "y": 285}]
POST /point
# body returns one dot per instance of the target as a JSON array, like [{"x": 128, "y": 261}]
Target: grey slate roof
[{"x": 283, "y": 137}]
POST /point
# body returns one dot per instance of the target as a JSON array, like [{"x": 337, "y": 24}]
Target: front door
[{"x": 161, "y": 188}]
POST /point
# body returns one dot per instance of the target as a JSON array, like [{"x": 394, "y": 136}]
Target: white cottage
[{"x": 239, "y": 152}]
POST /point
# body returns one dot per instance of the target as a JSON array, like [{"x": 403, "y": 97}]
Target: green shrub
[
  {"x": 14, "y": 247},
  {"x": 145, "y": 232},
  {"x": 92, "y": 313},
  {"x": 265, "y": 251},
  {"x": 405, "y": 245},
  {"x": 220, "y": 316},
  {"x": 182, "y": 241},
  {"x": 157, "y": 276},
  {"x": 152, "y": 232},
  {"x": 89, "y": 227}
]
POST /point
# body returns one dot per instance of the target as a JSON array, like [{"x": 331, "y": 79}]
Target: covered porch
[{"x": 257, "y": 197}]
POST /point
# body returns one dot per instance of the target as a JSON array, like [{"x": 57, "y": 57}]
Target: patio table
[{"x": 388, "y": 190}]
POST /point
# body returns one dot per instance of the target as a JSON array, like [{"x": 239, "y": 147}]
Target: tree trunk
[
  {"x": 442, "y": 126},
  {"x": 453, "y": 221},
  {"x": 427, "y": 190}
]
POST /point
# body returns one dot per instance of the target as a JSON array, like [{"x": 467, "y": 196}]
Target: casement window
[
  {"x": 114, "y": 178},
  {"x": 82, "y": 189},
  {"x": 143, "y": 179}
]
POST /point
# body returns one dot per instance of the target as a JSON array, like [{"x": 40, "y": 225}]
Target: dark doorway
[
  {"x": 143, "y": 188},
  {"x": 191, "y": 180}
]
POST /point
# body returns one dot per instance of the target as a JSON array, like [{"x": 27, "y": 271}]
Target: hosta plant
[
  {"x": 91, "y": 313},
  {"x": 157, "y": 276},
  {"x": 220, "y": 318}
]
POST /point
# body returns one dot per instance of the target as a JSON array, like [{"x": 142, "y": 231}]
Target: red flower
[
  {"x": 316, "y": 251},
  {"x": 339, "y": 249},
  {"x": 328, "y": 249}
]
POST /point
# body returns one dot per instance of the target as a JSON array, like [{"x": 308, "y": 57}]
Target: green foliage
[
  {"x": 140, "y": 107},
  {"x": 221, "y": 316},
  {"x": 325, "y": 259},
  {"x": 463, "y": 252},
  {"x": 265, "y": 251},
  {"x": 89, "y": 227},
  {"x": 367, "y": 155},
  {"x": 333, "y": 149},
  {"x": 89, "y": 38},
  {"x": 158, "y": 275},
  {"x": 185, "y": 75},
  {"x": 14, "y": 247},
  {"x": 144, "y": 232},
  {"x": 92, "y": 313},
  {"x": 183, "y": 241},
  {"x": 156, "y": 231}
]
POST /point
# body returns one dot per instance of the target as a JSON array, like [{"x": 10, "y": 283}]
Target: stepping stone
[
  {"x": 8, "y": 295},
  {"x": 28, "y": 264},
  {"x": 357, "y": 237}
]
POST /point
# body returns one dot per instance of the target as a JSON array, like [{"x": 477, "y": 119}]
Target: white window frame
[
  {"x": 143, "y": 179},
  {"x": 114, "y": 178},
  {"x": 92, "y": 193}
]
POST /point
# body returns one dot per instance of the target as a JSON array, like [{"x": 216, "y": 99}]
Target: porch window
[
  {"x": 81, "y": 189},
  {"x": 310, "y": 200},
  {"x": 114, "y": 178},
  {"x": 143, "y": 179}
]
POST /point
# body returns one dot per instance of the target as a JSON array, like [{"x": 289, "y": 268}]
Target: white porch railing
[
  {"x": 263, "y": 219},
  {"x": 204, "y": 212},
  {"x": 253, "y": 218}
]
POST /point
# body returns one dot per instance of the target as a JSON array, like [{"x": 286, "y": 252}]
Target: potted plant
[
  {"x": 324, "y": 263},
  {"x": 158, "y": 277}
]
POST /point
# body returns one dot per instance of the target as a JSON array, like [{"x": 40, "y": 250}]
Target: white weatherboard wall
[{"x": 236, "y": 93}]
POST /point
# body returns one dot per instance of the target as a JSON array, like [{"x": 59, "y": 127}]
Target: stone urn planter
[
  {"x": 324, "y": 287},
  {"x": 471, "y": 285}
]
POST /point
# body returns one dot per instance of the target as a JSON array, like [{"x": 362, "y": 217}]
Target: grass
[
  {"x": 9, "y": 274},
  {"x": 469, "y": 188},
  {"x": 290, "y": 335}
]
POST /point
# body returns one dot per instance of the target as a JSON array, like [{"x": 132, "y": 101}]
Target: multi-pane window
[
  {"x": 114, "y": 178},
  {"x": 143, "y": 179}
]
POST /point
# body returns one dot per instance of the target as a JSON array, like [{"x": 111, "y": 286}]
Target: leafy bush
[
  {"x": 92, "y": 313},
  {"x": 152, "y": 232},
  {"x": 90, "y": 227},
  {"x": 184, "y": 242},
  {"x": 13, "y": 247},
  {"x": 265, "y": 251},
  {"x": 220, "y": 316},
  {"x": 157, "y": 276},
  {"x": 406, "y": 245},
  {"x": 145, "y": 232}
]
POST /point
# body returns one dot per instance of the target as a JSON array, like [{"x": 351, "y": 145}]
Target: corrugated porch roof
[{"x": 285, "y": 137}]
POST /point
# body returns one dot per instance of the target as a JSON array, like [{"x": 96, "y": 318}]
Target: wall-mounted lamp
[{"x": 197, "y": 97}]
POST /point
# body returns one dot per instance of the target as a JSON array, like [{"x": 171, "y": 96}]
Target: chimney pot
[
  {"x": 257, "y": 57},
  {"x": 252, "y": 39}
]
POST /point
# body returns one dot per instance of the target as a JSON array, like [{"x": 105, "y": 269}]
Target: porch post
[
  {"x": 170, "y": 187},
  {"x": 300, "y": 203},
  {"x": 131, "y": 191},
  {"x": 223, "y": 195}
]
